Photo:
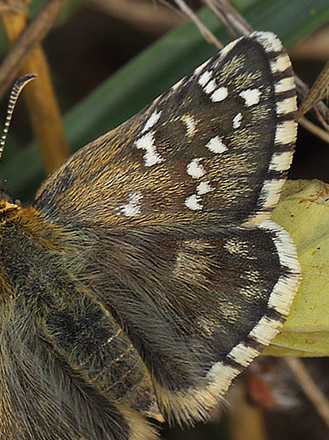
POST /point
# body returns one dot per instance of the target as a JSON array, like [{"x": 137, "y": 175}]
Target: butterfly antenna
[{"x": 15, "y": 91}]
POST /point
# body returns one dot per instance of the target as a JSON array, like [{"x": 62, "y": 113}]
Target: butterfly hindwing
[{"x": 193, "y": 302}]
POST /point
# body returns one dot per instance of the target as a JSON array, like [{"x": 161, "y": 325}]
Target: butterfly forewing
[{"x": 209, "y": 150}]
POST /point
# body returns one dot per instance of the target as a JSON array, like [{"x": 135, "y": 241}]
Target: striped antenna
[{"x": 15, "y": 91}]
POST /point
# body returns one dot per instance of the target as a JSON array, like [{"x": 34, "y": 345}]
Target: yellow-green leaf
[{"x": 304, "y": 212}]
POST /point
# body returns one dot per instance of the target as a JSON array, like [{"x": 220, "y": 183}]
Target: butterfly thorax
[
  {"x": 22, "y": 232},
  {"x": 6, "y": 210},
  {"x": 7, "y": 205}
]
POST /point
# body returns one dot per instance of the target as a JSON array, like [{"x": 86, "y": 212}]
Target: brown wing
[
  {"x": 215, "y": 148},
  {"x": 197, "y": 306}
]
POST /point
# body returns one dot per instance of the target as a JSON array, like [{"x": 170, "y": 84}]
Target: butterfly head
[{"x": 7, "y": 203}]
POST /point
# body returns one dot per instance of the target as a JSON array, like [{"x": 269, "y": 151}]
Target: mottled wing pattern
[
  {"x": 198, "y": 305},
  {"x": 214, "y": 148},
  {"x": 191, "y": 278}
]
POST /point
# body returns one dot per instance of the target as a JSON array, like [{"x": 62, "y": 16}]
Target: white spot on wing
[
  {"x": 133, "y": 207},
  {"x": 265, "y": 330},
  {"x": 285, "y": 132},
  {"x": 204, "y": 188},
  {"x": 153, "y": 119},
  {"x": 243, "y": 354},
  {"x": 285, "y": 85},
  {"x": 195, "y": 169},
  {"x": 210, "y": 87},
  {"x": 237, "y": 120},
  {"x": 216, "y": 145},
  {"x": 146, "y": 143},
  {"x": 220, "y": 94},
  {"x": 280, "y": 63},
  {"x": 251, "y": 96},
  {"x": 270, "y": 192},
  {"x": 286, "y": 106},
  {"x": 193, "y": 202},
  {"x": 281, "y": 161},
  {"x": 204, "y": 78}
]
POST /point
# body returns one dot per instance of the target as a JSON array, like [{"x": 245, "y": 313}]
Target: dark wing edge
[
  {"x": 193, "y": 404},
  {"x": 286, "y": 130}
]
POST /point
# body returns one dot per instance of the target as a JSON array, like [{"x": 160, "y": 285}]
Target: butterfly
[{"x": 147, "y": 275}]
